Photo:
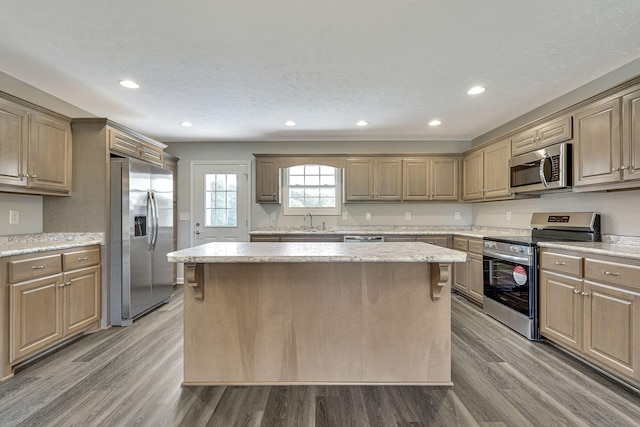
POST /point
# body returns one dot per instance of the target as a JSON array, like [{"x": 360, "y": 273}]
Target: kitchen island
[{"x": 317, "y": 313}]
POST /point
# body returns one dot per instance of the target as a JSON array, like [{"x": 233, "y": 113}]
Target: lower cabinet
[
  {"x": 44, "y": 311},
  {"x": 468, "y": 277},
  {"x": 593, "y": 309}
]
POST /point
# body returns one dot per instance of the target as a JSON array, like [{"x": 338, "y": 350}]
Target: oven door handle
[{"x": 518, "y": 259}]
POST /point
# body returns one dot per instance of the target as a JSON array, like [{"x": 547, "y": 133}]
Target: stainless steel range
[{"x": 511, "y": 267}]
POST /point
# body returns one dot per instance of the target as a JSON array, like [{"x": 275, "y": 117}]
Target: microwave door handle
[{"x": 542, "y": 178}]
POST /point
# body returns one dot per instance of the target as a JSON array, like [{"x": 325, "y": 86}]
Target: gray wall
[{"x": 30, "y": 208}]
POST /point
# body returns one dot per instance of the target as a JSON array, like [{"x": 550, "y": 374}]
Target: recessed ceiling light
[
  {"x": 186, "y": 124},
  {"x": 362, "y": 123},
  {"x": 435, "y": 123},
  {"x": 290, "y": 123},
  {"x": 129, "y": 84},
  {"x": 476, "y": 90}
]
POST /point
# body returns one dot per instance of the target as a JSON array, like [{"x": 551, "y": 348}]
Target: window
[
  {"x": 221, "y": 201},
  {"x": 312, "y": 189}
]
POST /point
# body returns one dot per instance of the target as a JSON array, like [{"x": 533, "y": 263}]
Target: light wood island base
[{"x": 317, "y": 323}]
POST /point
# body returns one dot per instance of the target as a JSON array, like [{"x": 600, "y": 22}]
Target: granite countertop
[
  {"x": 598, "y": 248},
  {"x": 256, "y": 252},
  {"x": 21, "y": 244},
  {"x": 466, "y": 231}
]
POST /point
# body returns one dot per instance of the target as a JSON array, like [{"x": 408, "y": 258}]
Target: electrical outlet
[
  {"x": 508, "y": 215},
  {"x": 456, "y": 215},
  {"x": 14, "y": 217},
  {"x": 273, "y": 216},
  {"x": 407, "y": 215},
  {"x": 367, "y": 215},
  {"x": 184, "y": 216},
  {"x": 345, "y": 215}
]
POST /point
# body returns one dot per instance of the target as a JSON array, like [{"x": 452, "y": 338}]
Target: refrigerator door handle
[
  {"x": 156, "y": 220},
  {"x": 150, "y": 222}
]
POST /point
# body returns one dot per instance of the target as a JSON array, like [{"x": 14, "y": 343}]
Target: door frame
[{"x": 192, "y": 202}]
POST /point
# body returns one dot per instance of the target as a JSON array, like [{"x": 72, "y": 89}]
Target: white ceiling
[{"x": 239, "y": 69}]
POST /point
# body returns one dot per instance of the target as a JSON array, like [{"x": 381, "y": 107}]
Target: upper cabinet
[
  {"x": 129, "y": 145},
  {"x": 267, "y": 180},
  {"x": 542, "y": 135},
  {"x": 486, "y": 172},
  {"x": 631, "y": 136},
  {"x": 373, "y": 179},
  {"x": 35, "y": 150},
  {"x": 430, "y": 178}
]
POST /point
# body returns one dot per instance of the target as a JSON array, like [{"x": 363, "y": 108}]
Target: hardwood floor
[{"x": 131, "y": 376}]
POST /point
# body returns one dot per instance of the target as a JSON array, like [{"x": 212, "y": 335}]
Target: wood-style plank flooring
[{"x": 131, "y": 376}]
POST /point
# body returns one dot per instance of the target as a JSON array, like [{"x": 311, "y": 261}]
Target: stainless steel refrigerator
[{"x": 141, "y": 235}]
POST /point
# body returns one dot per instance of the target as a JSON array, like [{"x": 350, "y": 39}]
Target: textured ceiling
[{"x": 239, "y": 69}]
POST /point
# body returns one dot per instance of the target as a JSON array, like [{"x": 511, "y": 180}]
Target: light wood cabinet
[
  {"x": 469, "y": 276},
  {"x": 373, "y": 179},
  {"x": 133, "y": 146},
  {"x": 593, "y": 310},
  {"x": 51, "y": 297},
  {"x": 267, "y": 180},
  {"x": 597, "y": 143},
  {"x": 631, "y": 136},
  {"x": 545, "y": 134},
  {"x": 486, "y": 173},
  {"x": 430, "y": 179},
  {"x": 35, "y": 150}
]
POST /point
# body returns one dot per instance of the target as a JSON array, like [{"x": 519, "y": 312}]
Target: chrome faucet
[{"x": 310, "y": 218}]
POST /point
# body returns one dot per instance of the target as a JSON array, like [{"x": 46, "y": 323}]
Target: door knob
[{"x": 197, "y": 232}]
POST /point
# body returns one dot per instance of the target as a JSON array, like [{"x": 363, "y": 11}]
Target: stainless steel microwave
[{"x": 538, "y": 171}]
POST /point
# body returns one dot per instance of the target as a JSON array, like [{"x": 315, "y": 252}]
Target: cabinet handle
[
  {"x": 575, "y": 291},
  {"x": 559, "y": 263},
  {"x": 615, "y": 169},
  {"x": 61, "y": 285},
  {"x": 85, "y": 258},
  {"x": 26, "y": 175},
  {"x": 623, "y": 167},
  {"x": 608, "y": 273},
  {"x": 38, "y": 267},
  {"x": 584, "y": 294},
  {"x": 34, "y": 176},
  {"x": 68, "y": 283}
]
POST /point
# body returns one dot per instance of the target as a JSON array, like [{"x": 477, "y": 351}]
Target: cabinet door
[
  {"x": 150, "y": 153},
  {"x": 597, "y": 144},
  {"x": 388, "y": 179},
  {"x": 359, "y": 179},
  {"x": 35, "y": 315},
  {"x": 496, "y": 169},
  {"x": 444, "y": 179},
  {"x": 475, "y": 281},
  {"x": 14, "y": 133},
  {"x": 123, "y": 143},
  {"x": 81, "y": 299},
  {"x": 612, "y": 327},
  {"x": 561, "y": 309},
  {"x": 416, "y": 175},
  {"x": 631, "y": 135},
  {"x": 473, "y": 176},
  {"x": 553, "y": 132},
  {"x": 267, "y": 181},
  {"x": 461, "y": 274},
  {"x": 444, "y": 241},
  {"x": 49, "y": 162},
  {"x": 523, "y": 142}
]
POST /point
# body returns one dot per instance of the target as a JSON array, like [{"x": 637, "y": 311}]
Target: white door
[{"x": 220, "y": 203}]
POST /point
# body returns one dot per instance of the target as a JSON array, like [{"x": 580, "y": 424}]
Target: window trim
[{"x": 335, "y": 211}]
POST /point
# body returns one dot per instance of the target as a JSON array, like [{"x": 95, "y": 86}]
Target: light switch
[
  {"x": 345, "y": 215},
  {"x": 273, "y": 216},
  {"x": 14, "y": 217},
  {"x": 508, "y": 215},
  {"x": 456, "y": 215},
  {"x": 367, "y": 215},
  {"x": 184, "y": 216},
  {"x": 407, "y": 215}
]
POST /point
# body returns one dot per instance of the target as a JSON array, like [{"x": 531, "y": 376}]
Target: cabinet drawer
[
  {"x": 475, "y": 246},
  {"x": 562, "y": 263},
  {"x": 611, "y": 272},
  {"x": 435, "y": 240},
  {"x": 34, "y": 267},
  {"x": 80, "y": 259},
  {"x": 461, "y": 244}
]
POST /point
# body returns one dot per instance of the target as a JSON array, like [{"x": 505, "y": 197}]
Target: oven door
[{"x": 511, "y": 281}]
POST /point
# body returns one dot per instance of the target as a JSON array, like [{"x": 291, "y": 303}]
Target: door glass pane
[{"x": 221, "y": 206}]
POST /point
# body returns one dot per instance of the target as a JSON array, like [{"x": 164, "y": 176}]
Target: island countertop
[{"x": 289, "y": 252}]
